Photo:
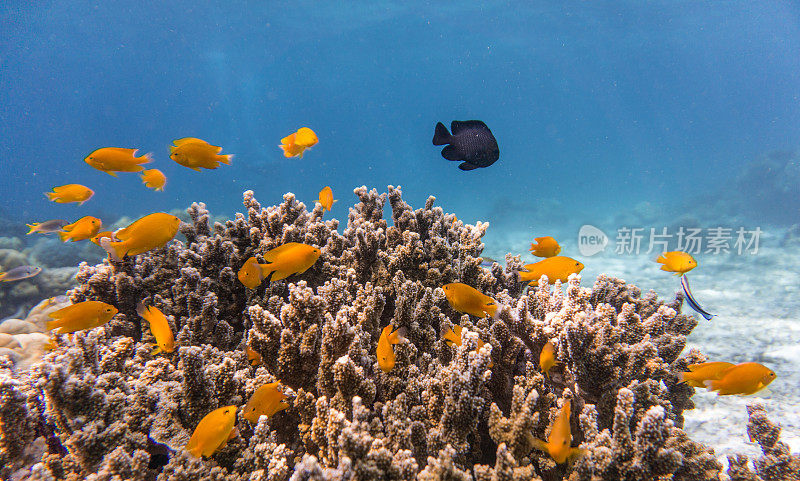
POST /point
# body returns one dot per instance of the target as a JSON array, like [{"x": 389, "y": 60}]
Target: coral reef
[{"x": 102, "y": 406}]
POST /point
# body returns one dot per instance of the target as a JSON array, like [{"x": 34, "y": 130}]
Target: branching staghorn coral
[{"x": 102, "y": 405}]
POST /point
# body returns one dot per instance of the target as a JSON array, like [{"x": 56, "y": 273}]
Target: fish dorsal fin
[
  {"x": 187, "y": 140},
  {"x": 458, "y": 126},
  {"x": 122, "y": 149},
  {"x": 275, "y": 253}
]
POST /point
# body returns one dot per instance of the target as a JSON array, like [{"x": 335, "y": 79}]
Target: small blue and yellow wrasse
[
  {"x": 213, "y": 431},
  {"x": 687, "y": 291},
  {"x": 676, "y": 261},
  {"x": 117, "y": 159},
  {"x": 545, "y": 247},
  {"x": 46, "y": 227},
  {"x": 385, "y": 351}
]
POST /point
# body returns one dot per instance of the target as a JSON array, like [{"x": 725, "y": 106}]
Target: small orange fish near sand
[
  {"x": 265, "y": 401},
  {"x": 385, "y": 351},
  {"x": 154, "y": 179},
  {"x": 82, "y": 229},
  {"x": 555, "y": 268},
  {"x": 744, "y": 378},
  {"x": 65, "y": 194},
  {"x": 213, "y": 432},
  {"x": 150, "y": 232},
  {"x": 117, "y": 159},
  {"x": 196, "y": 154},
  {"x": 558, "y": 443},
  {"x": 326, "y": 198},
  {"x": 295, "y": 144},
  {"x": 282, "y": 262},
  {"x": 676, "y": 261},
  {"x": 80, "y": 316},
  {"x": 469, "y": 300},
  {"x": 545, "y": 247}
]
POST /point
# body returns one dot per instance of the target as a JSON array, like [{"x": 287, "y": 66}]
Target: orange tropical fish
[
  {"x": 676, "y": 261},
  {"x": 699, "y": 373},
  {"x": 80, "y": 316},
  {"x": 83, "y": 228},
  {"x": 282, "y": 262},
  {"x": 159, "y": 327},
  {"x": 253, "y": 356},
  {"x": 65, "y": 194},
  {"x": 555, "y": 268},
  {"x": 744, "y": 378},
  {"x": 453, "y": 336},
  {"x": 385, "y": 351},
  {"x": 100, "y": 235},
  {"x": 213, "y": 432},
  {"x": 545, "y": 247},
  {"x": 117, "y": 159},
  {"x": 46, "y": 227},
  {"x": 326, "y": 198},
  {"x": 547, "y": 358},
  {"x": 558, "y": 443},
  {"x": 469, "y": 300},
  {"x": 265, "y": 401},
  {"x": 150, "y": 232},
  {"x": 154, "y": 179},
  {"x": 196, "y": 154},
  {"x": 295, "y": 144}
]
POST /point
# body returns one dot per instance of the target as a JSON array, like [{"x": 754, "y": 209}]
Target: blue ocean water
[{"x": 597, "y": 106}]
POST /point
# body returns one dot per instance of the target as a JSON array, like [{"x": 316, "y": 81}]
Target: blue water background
[{"x": 597, "y": 106}]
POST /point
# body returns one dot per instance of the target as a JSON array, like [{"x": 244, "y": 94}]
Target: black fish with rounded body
[{"x": 471, "y": 142}]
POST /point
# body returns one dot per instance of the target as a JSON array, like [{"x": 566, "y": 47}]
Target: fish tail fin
[
  {"x": 145, "y": 159},
  {"x": 115, "y": 250},
  {"x": 156, "y": 349},
  {"x": 540, "y": 445},
  {"x": 31, "y": 228},
  {"x": 441, "y": 136},
  {"x": 141, "y": 309},
  {"x": 64, "y": 236},
  {"x": 662, "y": 258},
  {"x": 53, "y": 196},
  {"x": 226, "y": 159},
  {"x": 398, "y": 336}
]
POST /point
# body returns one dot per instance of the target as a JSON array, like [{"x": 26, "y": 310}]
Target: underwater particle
[
  {"x": 704, "y": 371},
  {"x": 677, "y": 262},
  {"x": 547, "y": 358},
  {"x": 326, "y": 198},
  {"x": 265, "y": 401},
  {"x": 150, "y": 232},
  {"x": 555, "y": 268},
  {"x": 159, "y": 327},
  {"x": 282, "y": 262},
  {"x": 67, "y": 193},
  {"x": 46, "y": 227},
  {"x": 80, "y": 316},
  {"x": 744, "y": 378},
  {"x": 82, "y": 229},
  {"x": 295, "y": 144},
  {"x": 117, "y": 159},
  {"x": 471, "y": 142},
  {"x": 687, "y": 291},
  {"x": 19, "y": 273},
  {"x": 197, "y": 153},
  {"x": 212, "y": 432},
  {"x": 558, "y": 443},
  {"x": 252, "y": 356},
  {"x": 545, "y": 247},
  {"x": 154, "y": 179},
  {"x": 453, "y": 336},
  {"x": 385, "y": 351},
  {"x": 469, "y": 300}
]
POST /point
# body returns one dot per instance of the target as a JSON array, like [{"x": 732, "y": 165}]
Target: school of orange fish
[{"x": 217, "y": 427}]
